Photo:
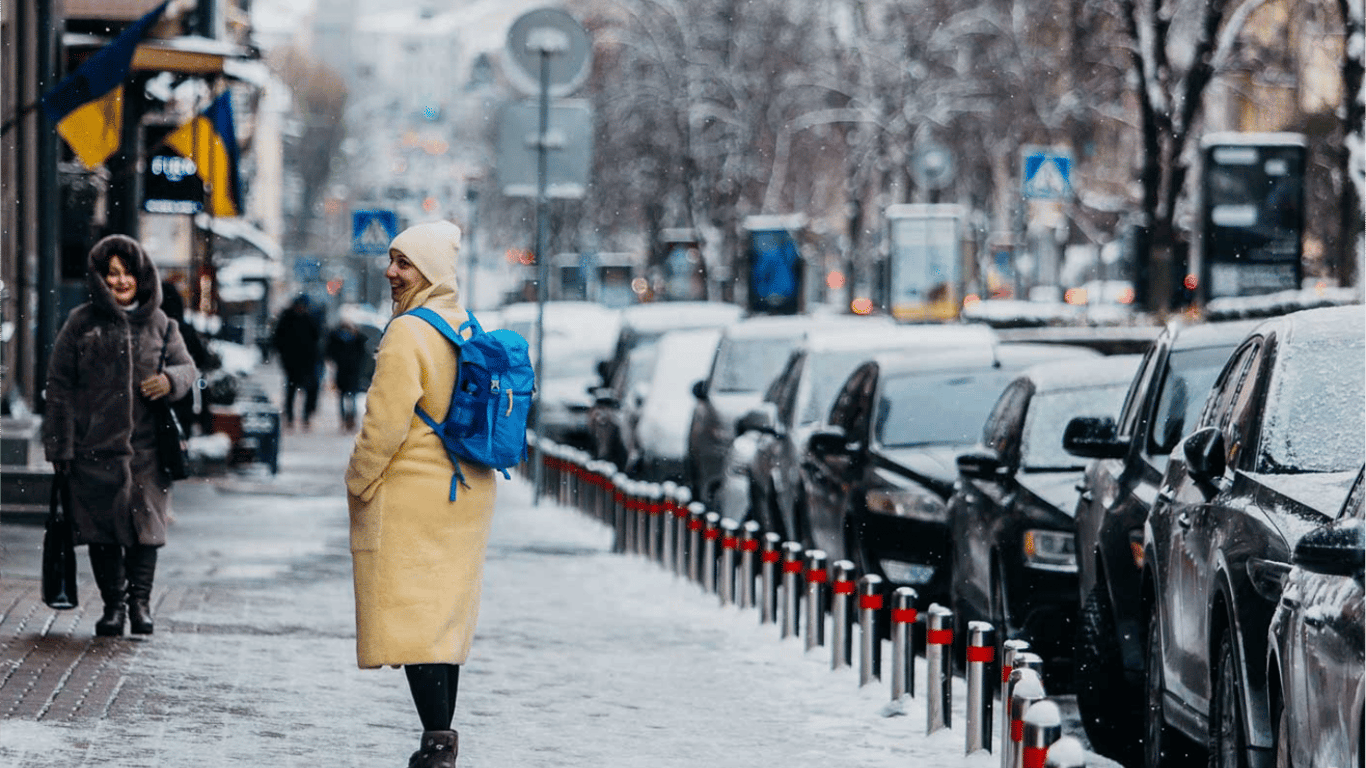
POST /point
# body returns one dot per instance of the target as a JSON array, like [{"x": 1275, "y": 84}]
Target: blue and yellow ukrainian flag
[
  {"x": 87, "y": 105},
  {"x": 210, "y": 140}
]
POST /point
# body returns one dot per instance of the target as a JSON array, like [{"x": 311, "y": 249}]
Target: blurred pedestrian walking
[
  {"x": 114, "y": 355},
  {"x": 187, "y": 410},
  {"x": 298, "y": 339},
  {"x": 418, "y": 555},
  {"x": 346, "y": 349}
]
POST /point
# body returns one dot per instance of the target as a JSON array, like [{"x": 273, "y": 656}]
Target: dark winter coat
[
  {"x": 346, "y": 348},
  {"x": 96, "y": 417},
  {"x": 298, "y": 337}
]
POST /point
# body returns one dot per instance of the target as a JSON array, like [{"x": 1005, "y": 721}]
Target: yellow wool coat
[{"x": 418, "y": 558}]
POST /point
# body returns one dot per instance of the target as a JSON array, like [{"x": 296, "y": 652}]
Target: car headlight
[
  {"x": 916, "y": 504},
  {"x": 1050, "y": 550}
]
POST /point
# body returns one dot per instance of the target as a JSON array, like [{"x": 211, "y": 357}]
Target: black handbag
[
  {"x": 59, "y": 553},
  {"x": 171, "y": 446}
]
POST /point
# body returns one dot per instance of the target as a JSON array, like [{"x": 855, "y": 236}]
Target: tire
[
  {"x": 1111, "y": 709},
  {"x": 1163, "y": 746},
  {"x": 1227, "y": 739}
]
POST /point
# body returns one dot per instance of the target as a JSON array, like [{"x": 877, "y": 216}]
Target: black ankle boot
[
  {"x": 439, "y": 750},
  {"x": 106, "y": 561},
  {"x": 141, "y": 563}
]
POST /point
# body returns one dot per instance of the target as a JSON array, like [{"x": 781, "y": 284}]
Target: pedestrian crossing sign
[
  {"x": 372, "y": 231},
  {"x": 1047, "y": 175}
]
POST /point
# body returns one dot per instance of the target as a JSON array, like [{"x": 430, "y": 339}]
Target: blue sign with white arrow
[
  {"x": 372, "y": 231},
  {"x": 1047, "y": 175}
]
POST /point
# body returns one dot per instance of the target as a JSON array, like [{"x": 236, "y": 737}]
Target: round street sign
[
  {"x": 554, "y": 33},
  {"x": 932, "y": 166}
]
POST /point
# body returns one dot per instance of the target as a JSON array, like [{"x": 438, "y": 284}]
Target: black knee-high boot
[
  {"x": 106, "y": 561},
  {"x": 141, "y": 563}
]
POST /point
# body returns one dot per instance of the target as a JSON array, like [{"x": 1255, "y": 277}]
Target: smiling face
[
  {"x": 121, "y": 282},
  {"x": 402, "y": 275}
]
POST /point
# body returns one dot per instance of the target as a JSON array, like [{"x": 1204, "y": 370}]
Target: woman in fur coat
[
  {"x": 418, "y": 556},
  {"x": 114, "y": 355}
]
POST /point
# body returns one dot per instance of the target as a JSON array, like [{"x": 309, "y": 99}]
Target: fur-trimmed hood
[{"x": 137, "y": 261}]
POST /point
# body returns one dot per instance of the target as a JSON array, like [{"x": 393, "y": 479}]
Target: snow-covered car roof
[
  {"x": 1083, "y": 372},
  {"x": 667, "y": 315},
  {"x": 793, "y": 326}
]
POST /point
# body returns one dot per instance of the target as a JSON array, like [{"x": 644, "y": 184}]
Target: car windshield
[
  {"x": 1041, "y": 447},
  {"x": 941, "y": 407},
  {"x": 1314, "y": 421},
  {"x": 748, "y": 365},
  {"x": 1190, "y": 374},
  {"x": 826, "y": 374}
]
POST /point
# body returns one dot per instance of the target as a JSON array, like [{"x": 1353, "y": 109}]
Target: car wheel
[
  {"x": 1163, "y": 746},
  {"x": 1108, "y": 705},
  {"x": 1227, "y": 743}
]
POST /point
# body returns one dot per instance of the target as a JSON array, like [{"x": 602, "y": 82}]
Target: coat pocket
[{"x": 367, "y": 519}]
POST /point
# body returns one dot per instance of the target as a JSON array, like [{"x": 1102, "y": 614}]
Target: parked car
[
  {"x": 1013, "y": 543},
  {"x": 643, "y": 324},
  {"x": 750, "y": 355},
  {"x": 1316, "y": 660},
  {"x": 612, "y": 417},
  {"x": 1278, "y": 444},
  {"x": 1128, "y": 458},
  {"x": 762, "y": 480},
  {"x": 578, "y": 336},
  {"x": 876, "y": 476},
  {"x": 658, "y": 445}
]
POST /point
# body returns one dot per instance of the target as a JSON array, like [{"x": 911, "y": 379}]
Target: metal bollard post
[
  {"x": 769, "y": 558},
  {"x": 1027, "y": 689},
  {"x": 730, "y": 545},
  {"x": 1029, "y": 660},
  {"x": 749, "y": 544},
  {"x": 938, "y": 668},
  {"x": 656, "y": 519},
  {"x": 710, "y": 533},
  {"x": 668, "y": 512},
  {"x": 980, "y": 653},
  {"x": 640, "y": 500},
  {"x": 1066, "y": 752},
  {"x": 792, "y": 571},
  {"x": 619, "y": 518},
  {"x": 1008, "y": 650},
  {"x": 842, "y": 615},
  {"x": 1042, "y": 727},
  {"x": 870, "y": 646},
  {"x": 903, "y": 642},
  {"x": 816, "y": 578},
  {"x": 695, "y": 525},
  {"x": 680, "y": 527}
]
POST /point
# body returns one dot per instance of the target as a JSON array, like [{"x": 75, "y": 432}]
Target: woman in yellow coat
[{"x": 418, "y": 557}]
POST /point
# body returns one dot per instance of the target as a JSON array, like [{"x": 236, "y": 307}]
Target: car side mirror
[
  {"x": 1094, "y": 437},
  {"x": 828, "y": 441},
  {"x": 1333, "y": 550},
  {"x": 605, "y": 372},
  {"x": 761, "y": 419},
  {"x": 699, "y": 389},
  {"x": 1206, "y": 458},
  {"x": 983, "y": 464}
]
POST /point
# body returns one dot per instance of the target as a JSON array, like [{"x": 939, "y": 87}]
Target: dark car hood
[
  {"x": 1057, "y": 489},
  {"x": 1302, "y": 502},
  {"x": 938, "y": 463}
]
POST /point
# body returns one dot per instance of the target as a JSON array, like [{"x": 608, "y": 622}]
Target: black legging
[{"x": 434, "y": 687}]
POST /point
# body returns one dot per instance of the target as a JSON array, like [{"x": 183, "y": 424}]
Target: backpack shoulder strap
[
  {"x": 439, "y": 323},
  {"x": 470, "y": 323}
]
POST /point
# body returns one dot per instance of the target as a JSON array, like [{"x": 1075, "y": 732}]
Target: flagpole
[{"x": 49, "y": 264}]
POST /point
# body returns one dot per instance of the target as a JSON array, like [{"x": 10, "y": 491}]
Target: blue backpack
[{"x": 486, "y": 422}]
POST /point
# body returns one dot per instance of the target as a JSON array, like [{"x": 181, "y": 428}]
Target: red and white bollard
[
  {"x": 711, "y": 535},
  {"x": 816, "y": 578},
  {"x": 980, "y": 656},
  {"x": 870, "y": 646},
  {"x": 730, "y": 547},
  {"x": 842, "y": 600},
  {"x": 1042, "y": 727},
  {"x": 770, "y": 555},
  {"x": 655, "y": 530},
  {"x": 904, "y": 616},
  {"x": 682, "y": 498},
  {"x": 792, "y": 573},
  {"x": 1026, "y": 688},
  {"x": 696, "y": 513},
  {"x": 668, "y": 527},
  {"x": 938, "y": 668},
  {"x": 749, "y": 547},
  {"x": 620, "y": 520}
]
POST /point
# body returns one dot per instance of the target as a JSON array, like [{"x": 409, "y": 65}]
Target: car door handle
[
  {"x": 1184, "y": 520},
  {"x": 1085, "y": 492}
]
